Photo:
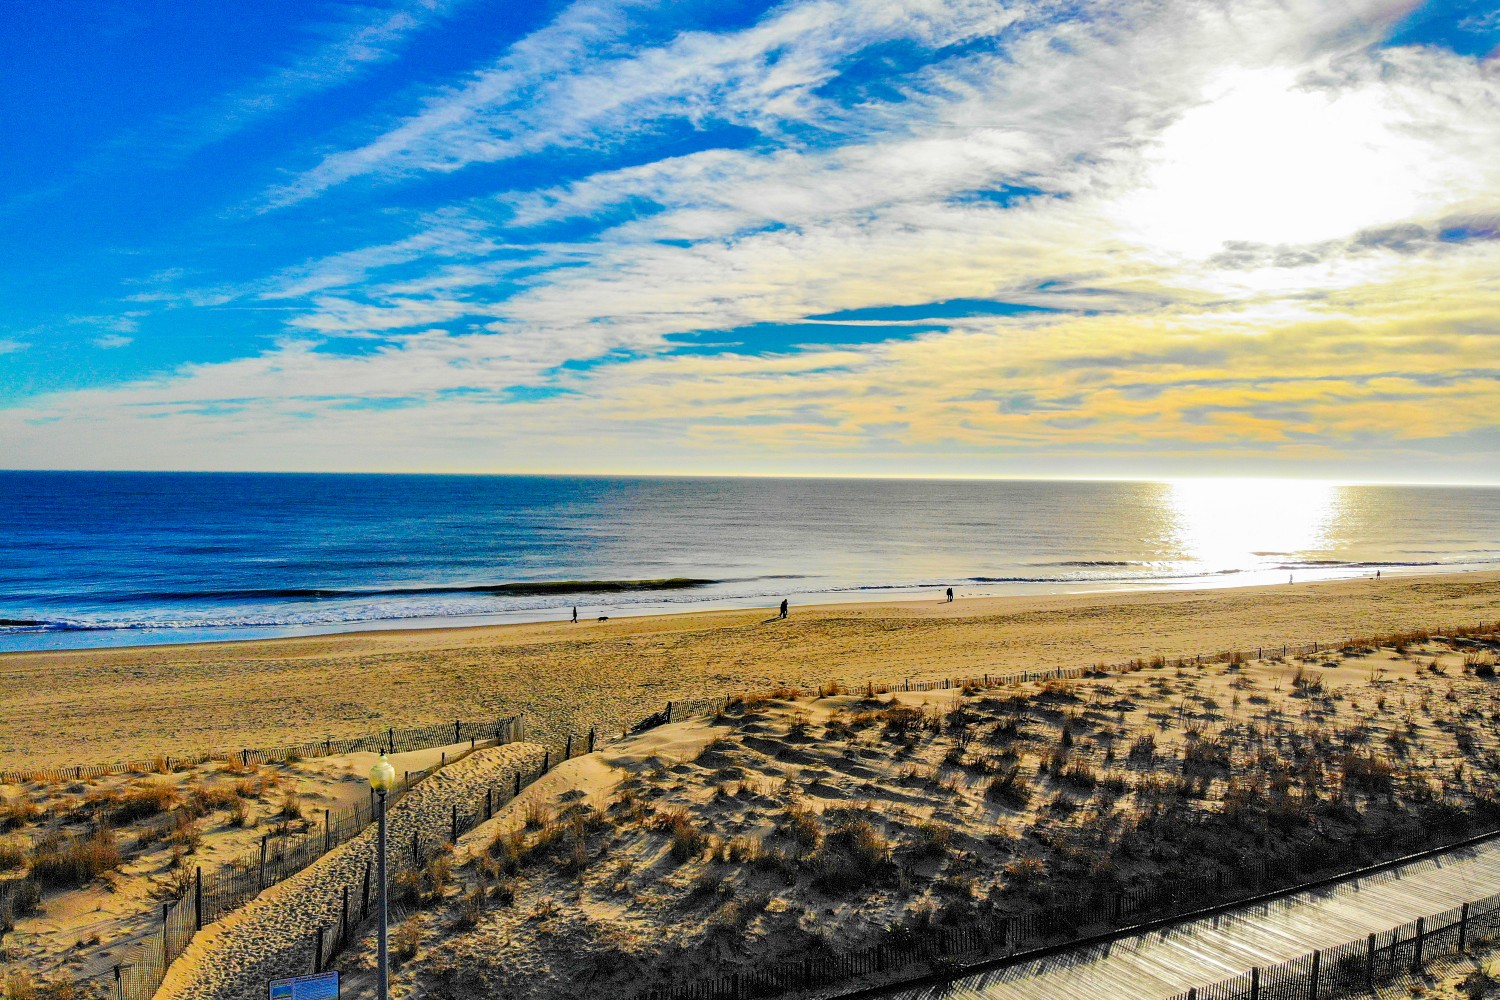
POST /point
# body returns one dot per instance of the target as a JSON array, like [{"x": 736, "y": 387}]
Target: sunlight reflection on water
[{"x": 1222, "y": 524}]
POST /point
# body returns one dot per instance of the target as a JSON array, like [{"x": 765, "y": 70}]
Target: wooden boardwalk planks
[{"x": 1168, "y": 961}]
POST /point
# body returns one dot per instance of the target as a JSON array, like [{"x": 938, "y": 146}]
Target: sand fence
[
  {"x": 288, "y": 927},
  {"x": 241, "y": 880},
  {"x": 389, "y": 740}
]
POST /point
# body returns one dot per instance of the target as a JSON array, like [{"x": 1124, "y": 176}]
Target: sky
[{"x": 822, "y": 237}]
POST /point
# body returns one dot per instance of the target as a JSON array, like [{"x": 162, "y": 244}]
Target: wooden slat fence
[
  {"x": 391, "y": 740},
  {"x": 278, "y": 859}
]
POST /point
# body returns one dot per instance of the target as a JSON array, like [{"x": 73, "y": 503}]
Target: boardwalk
[{"x": 1167, "y": 962}]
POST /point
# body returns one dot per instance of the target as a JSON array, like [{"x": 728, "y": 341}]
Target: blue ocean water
[{"x": 91, "y": 559}]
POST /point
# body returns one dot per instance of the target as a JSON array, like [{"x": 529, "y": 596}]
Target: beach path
[{"x": 1196, "y": 953}]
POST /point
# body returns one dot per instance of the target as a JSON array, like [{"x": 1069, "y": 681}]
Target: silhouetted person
[
  {"x": 1377, "y": 574},
  {"x": 783, "y": 607},
  {"x": 950, "y": 595},
  {"x": 575, "y": 615}
]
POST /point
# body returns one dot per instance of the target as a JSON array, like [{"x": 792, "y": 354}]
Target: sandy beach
[{"x": 92, "y": 706}]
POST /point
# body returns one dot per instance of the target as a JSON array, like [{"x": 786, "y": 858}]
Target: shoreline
[
  {"x": 144, "y": 636},
  {"x": 90, "y": 705}
]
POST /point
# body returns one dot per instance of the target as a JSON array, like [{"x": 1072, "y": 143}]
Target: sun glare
[
  {"x": 1266, "y": 161},
  {"x": 1233, "y": 523}
]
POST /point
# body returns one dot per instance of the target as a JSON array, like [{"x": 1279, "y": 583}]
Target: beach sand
[{"x": 91, "y": 706}]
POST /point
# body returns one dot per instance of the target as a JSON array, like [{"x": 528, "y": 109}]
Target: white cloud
[
  {"x": 112, "y": 341},
  {"x": 8, "y": 346}
]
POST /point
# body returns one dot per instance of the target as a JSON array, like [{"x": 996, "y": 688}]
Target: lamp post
[{"x": 382, "y": 780}]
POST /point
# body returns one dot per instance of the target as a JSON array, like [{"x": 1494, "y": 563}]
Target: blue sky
[{"x": 842, "y": 236}]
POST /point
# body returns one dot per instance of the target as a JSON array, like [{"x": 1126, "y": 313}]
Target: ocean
[{"x": 104, "y": 559}]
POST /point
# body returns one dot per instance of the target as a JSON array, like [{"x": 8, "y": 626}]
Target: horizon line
[{"x": 892, "y": 477}]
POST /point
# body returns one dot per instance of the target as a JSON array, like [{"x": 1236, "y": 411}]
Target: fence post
[
  {"x": 1463, "y": 926},
  {"x": 318, "y": 950},
  {"x": 1416, "y": 959},
  {"x": 546, "y": 760},
  {"x": 416, "y": 848},
  {"x": 518, "y": 785},
  {"x": 669, "y": 711},
  {"x": 119, "y": 985},
  {"x": 456, "y": 729},
  {"x": 262, "y": 882},
  {"x": 1370, "y": 959},
  {"x": 244, "y": 758},
  {"x": 568, "y": 753},
  {"x": 364, "y": 893},
  {"x": 1312, "y": 977},
  {"x": 1192, "y": 993},
  {"x": 344, "y": 914},
  {"x": 736, "y": 987},
  {"x": 327, "y": 830},
  {"x": 1255, "y": 983},
  {"x": 453, "y": 827},
  {"x": 489, "y": 803},
  {"x": 198, "y": 899},
  {"x": 807, "y": 976},
  {"x": 391, "y": 738},
  {"x": 591, "y": 739}
]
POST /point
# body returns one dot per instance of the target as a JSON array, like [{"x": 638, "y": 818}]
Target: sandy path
[
  {"x": 272, "y": 936},
  {"x": 165, "y": 699}
]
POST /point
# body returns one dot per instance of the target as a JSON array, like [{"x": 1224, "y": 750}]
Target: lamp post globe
[{"x": 382, "y": 775}]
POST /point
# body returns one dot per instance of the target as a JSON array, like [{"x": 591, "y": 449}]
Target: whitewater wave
[{"x": 534, "y": 588}]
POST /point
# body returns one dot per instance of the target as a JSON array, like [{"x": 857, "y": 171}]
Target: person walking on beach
[
  {"x": 950, "y": 595},
  {"x": 783, "y": 608},
  {"x": 575, "y": 614}
]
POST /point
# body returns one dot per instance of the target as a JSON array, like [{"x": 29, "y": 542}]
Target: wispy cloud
[
  {"x": 565, "y": 85},
  {"x": 367, "y": 35}
]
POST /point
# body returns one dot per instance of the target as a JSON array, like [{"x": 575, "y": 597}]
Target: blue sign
[{"x": 323, "y": 986}]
